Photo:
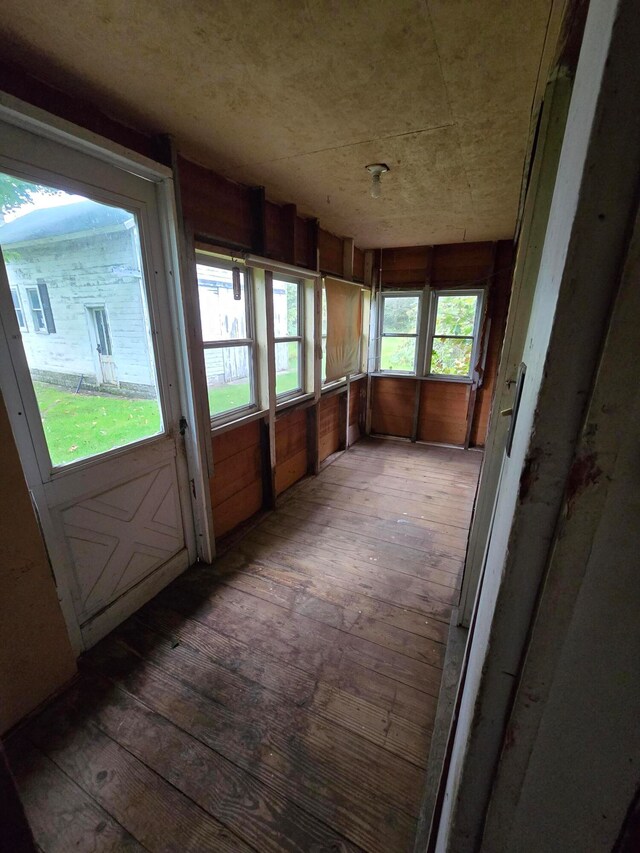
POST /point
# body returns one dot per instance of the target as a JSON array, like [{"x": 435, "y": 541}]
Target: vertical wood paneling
[
  {"x": 331, "y": 257},
  {"x": 328, "y": 426},
  {"x": 236, "y": 485},
  {"x": 276, "y": 232},
  {"x": 443, "y": 412},
  {"x": 357, "y": 409},
  {"x": 214, "y": 206},
  {"x": 358, "y": 264},
  {"x": 498, "y": 307},
  {"x": 457, "y": 265},
  {"x": 392, "y": 405},
  {"x": 291, "y": 449},
  {"x": 405, "y": 267}
]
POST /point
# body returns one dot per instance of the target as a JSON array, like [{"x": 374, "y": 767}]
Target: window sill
[
  {"x": 341, "y": 383},
  {"x": 290, "y": 402},
  {"x": 238, "y": 421},
  {"x": 391, "y": 374}
]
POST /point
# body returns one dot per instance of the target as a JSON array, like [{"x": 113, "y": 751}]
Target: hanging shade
[{"x": 344, "y": 328}]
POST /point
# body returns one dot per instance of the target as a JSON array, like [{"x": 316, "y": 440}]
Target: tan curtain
[{"x": 344, "y": 328}]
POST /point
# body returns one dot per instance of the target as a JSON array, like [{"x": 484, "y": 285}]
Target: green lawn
[
  {"x": 224, "y": 398},
  {"x": 81, "y": 425}
]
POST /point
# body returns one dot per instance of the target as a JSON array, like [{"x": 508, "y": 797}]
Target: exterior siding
[{"x": 90, "y": 270}]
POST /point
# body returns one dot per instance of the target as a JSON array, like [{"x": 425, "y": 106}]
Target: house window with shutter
[{"x": 40, "y": 307}]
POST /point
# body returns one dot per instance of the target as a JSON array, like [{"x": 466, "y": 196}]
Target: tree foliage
[
  {"x": 453, "y": 341},
  {"x": 15, "y": 192}
]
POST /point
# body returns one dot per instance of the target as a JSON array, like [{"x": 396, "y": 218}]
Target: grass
[
  {"x": 81, "y": 425},
  {"x": 398, "y": 354},
  {"x": 224, "y": 398},
  {"x": 77, "y": 426}
]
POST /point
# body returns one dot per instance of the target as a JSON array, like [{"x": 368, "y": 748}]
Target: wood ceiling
[{"x": 299, "y": 95}]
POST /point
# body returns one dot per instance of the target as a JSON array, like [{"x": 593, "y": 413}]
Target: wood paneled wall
[
  {"x": 291, "y": 449},
  {"x": 497, "y": 310},
  {"x": 443, "y": 412},
  {"x": 392, "y": 405},
  {"x": 330, "y": 438},
  {"x": 36, "y": 657},
  {"x": 357, "y": 409},
  {"x": 444, "y": 406},
  {"x": 236, "y": 485}
]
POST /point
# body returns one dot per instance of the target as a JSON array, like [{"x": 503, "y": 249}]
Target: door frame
[{"x": 191, "y": 454}]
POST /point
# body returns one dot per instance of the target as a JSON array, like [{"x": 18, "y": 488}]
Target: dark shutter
[{"x": 46, "y": 306}]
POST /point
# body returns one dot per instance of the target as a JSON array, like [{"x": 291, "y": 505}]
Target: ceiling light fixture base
[{"x": 376, "y": 171}]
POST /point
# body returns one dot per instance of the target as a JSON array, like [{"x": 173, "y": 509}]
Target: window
[
  {"x": 17, "y": 304},
  {"x": 40, "y": 307},
  {"x": 323, "y": 331},
  {"x": 95, "y": 382},
  {"x": 103, "y": 335},
  {"x": 288, "y": 337},
  {"x": 399, "y": 326},
  {"x": 454, "y": 325},
  {"x": 225, "y": 297}
]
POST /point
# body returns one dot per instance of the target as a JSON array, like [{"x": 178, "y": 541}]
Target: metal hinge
[{"x": 182, "y": 424}]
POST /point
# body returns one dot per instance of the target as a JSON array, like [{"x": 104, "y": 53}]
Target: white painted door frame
[
  {"x": 534, "y": 226},
  {"x": 592, "y": 212},
  {"x": 107, "y": 168}
]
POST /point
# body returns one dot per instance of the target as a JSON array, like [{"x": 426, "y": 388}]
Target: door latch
[{"x": 182, "y": 425}]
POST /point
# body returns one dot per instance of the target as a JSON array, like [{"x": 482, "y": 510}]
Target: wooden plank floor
[{"x": 282, "y": 700}]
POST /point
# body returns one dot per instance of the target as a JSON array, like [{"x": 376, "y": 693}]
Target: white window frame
[
  {"x": 300, "y": 338},
  {"x": 238, "y": 412},
  {"x": 385, "y": 294},
  {"x": 33, "y": 310},
  {"x": 436, "y": 295},
  {"x": 19, "y": 307}
]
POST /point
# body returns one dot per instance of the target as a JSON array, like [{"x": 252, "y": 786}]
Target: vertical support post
[
  {"x": 347, "y": 258},
  {"x": 416, "y": 410},
  {"x": 193, "y": 390},
  {"x": 484, "y": 342},
  {"x": 313, "y": 414},
  {"x": 371, "y": 279},
  {"x": 343, "y": 420},
  {"x": 313, "y": 261},
  {"x": 348, "y": 406},
  {"x": 423, "y": 326},
  {"x": 290, "y": 217},
  {"x": 258, "y": 221},
  {"x": 266, "y": 384}
]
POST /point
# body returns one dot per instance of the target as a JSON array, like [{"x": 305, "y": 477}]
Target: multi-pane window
[
  {"x": 400, "y": 322},
  {"x": 454, "y": 325},
  {"x": 227, "y": 336},
  {"x": 288, "y": 336},
  {"x": 17, "y": 304},
  {"x": 40, "y": 308},
  {"x": 323, "y": 334}
]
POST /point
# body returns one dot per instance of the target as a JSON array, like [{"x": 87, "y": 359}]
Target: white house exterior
[
  {"x": 222, "y": 320},
  {"x": 75, "y": 277}
]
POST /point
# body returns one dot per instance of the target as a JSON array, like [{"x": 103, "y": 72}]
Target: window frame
[
  {"x": 33, "y": 310},
  {"x": 363, "y": 343},
  {"x": 385, "y": 294},
  {"x": 238, "y": 412},
  {"x": 436, "y": 294},
  {"x": 18, "y": 306},
  {"x": 300, "y": 389}
]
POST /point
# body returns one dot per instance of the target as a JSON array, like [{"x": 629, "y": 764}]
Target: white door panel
[
  {"x": 98, "y": 437},
  {"x": 118, "y": 536}
]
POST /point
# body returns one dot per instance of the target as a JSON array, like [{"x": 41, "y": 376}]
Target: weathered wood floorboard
[{"x": 280, "y": 700}]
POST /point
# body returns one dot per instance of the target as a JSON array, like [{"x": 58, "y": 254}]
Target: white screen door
[{"x": 89, "y": 377}]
